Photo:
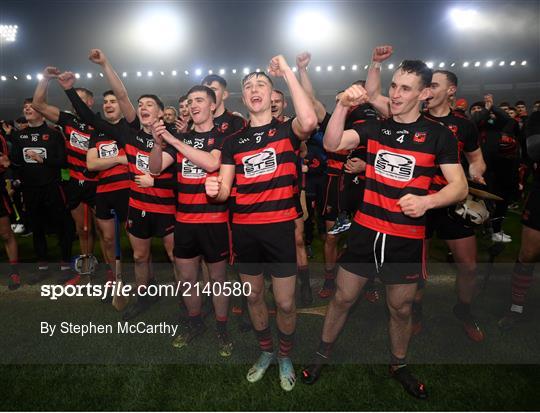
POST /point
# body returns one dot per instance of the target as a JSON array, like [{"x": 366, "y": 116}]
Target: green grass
[{"x": 145, "y": 373}]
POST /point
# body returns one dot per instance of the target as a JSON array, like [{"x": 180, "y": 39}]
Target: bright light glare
[
  {"x": 28, "y": 77},
  {"x": 245, "y": 71},
  {"x": 294, "y": 69},
  {"x": 158, "y": 31},
  {"x": 476, "y": 64},
  {"x": 39, "y": 76},
  {"x": 354, "y": 67},
  {"x": 8, "y": 33},
  {"x": 150, "y": 73},
  {"x": 464, "y": 19},
  {"x": 124, "y": 74},
  {"x": 489, "y": 63},
  {"x": 77, "y": 75},
  {"x": 234, "y": 71},
  {"x": 198, "y": 72},
  {"x": 523, "y": 63},
  {"x": 89, "y": 75},
  {"x": 329, "y": 68},
  {"x": 429, "y": 64},
  {"x": 313, "y": 28},
  {"x": 343, "y": 67},
  {"x": 318, "y": 69},
  {"x": 441, "y": 65},
  {"x": 501, "y": 63},
  {"x": 174, "y": 73},
  {"x": 391, "y": 66},
  {"x": 3, "y": 78},
  {"x": 465, "y": 64},
  {"x": 139, "y": 74},
  {"x": 513, "y": 63},
  {"x": 221, "y": 71}
]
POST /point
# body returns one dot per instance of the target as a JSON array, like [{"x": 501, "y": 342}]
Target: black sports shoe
[
  {"x": 134, "y": 310},
  {"x": 312, "y": 372},
  {"x": 14, "y": 281},
  {"x": 410, "y": 383},
  {"x": 306, "y": 296},
  {"x": 38, "y": 277}
]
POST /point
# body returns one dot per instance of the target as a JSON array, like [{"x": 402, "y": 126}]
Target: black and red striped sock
[
  {"x": 14, "y": 267},
  {"x": 195, "y": 320},
  {"x": 286, "y": 342},
  {"x": 325, "y": 349},
  {"x": 264, "y": 337},
  {"x": 221, "y": 324},
  {"x": 522, "y": 278}
]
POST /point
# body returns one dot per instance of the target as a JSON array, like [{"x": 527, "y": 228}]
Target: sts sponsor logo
[
  {"x": 108, "y": 150},
  {"x": 191, "y": 171},
  {"x": 262, "y": 163},
  {"x": 394, "y": 166},
  {"x": 79, "y": 141},
  {"x": 141, "y": 162},
  {"x": 40, "y": 151}
]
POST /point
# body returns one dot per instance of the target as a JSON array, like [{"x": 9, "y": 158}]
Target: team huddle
[{"x": 218, "y": 188}]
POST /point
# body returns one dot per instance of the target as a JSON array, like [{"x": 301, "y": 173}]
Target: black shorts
[
  {"x": 330, "y": 207},
  {"x": 399, "y": 260},
  {"x": 531, "y": 211},
  {"x": 265, "y": 248},
  {"x": 144, "y": 225},
  {"x": 107, "y": 201},
  {"x": 209, "y": 240},
  {"x": 439, "y": 221},
  {"x": 5, "y": 202},
  {"x": 80, "y": 191}
]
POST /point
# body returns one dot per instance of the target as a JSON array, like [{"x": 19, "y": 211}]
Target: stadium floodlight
[
  {"x": 329, "y": 68},
  {"x": 464, "y": 19},
  {"x": 186, "y": 72},
  {"x": 365, "y": 67},
  {"x": 210, "y": 72},
  {"x": 77, "y": 75},
  {"x": 174, "y": 72},
  {"x": 476, "y": 64},
  {"x": 354, "y": 67},
  {"x": 502, "y": 63},
  {"x": 489, "y": 63},
  {"x": 312, "y": 28},
  {"x": 124, "y": 74},
  {"x": 513, "y": 63},
  {"x": 465, "y": 64},
  {"x": 442, "y": 64},
  {"x": 294, "y": 69},
  {"x": 318, "y": 69},
  {"x": 524, "y": 63},
  {"x": 159, "y": 29},
  {"x": 429, "y": 64},
  {"x": 221, "y": 71},
  {"x": 198, "y": 72},
  {"x": 15, "y": 78},
  {"x": 28, "y": 77},
  {"x": 8, "y": 33},
  {"x": 258, "y": 70},
  {"x": 39, "y": 76},
  {"x": 391, "y": 66},
  {"x": 3, "y": 78},
  {"x": 139, "y": 74},
  {"x": 100, "y": 74},
  {"x": 162, "y": 73},
  {"x": 246, "y": 70},
  {"x": 343, "y": 67},
  {"x": 452, "y": 64},
  {"x": 234, "y": 71},
  {"x": 150, "y": 73}
]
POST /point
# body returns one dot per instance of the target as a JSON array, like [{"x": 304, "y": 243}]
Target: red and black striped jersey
[
  {"x": 228, "y": 123},
  {"x": 116, "y": 177},
  {"x": 192, "y": 204},
  {"x": 401, "y": 159},
  {"x": 158, "y": 198},
  {"x": 4, "y": 150},
  {"x": 77, "y": 138},
  {"x": 265, "y": 161},
  {"x": 464, "y": 131}
]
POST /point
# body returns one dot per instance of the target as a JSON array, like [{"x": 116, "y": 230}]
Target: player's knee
[
  {"x": 402, "y": 310},
  {"x": 140, "y": 257},
  {"x": 343, "y": 300},
  {"x": 256, "y": 296},
  {"x": 5, "y": 235},
  {"x": 331, "y": 240},
  {"x": 286, "y": 305}
]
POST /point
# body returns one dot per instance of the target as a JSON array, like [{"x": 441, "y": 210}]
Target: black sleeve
[
  {"x": 56, "y": 156},
  {"x": 295, "y": 140},
  {"x": 93, "y": 139},
  {"x": 470, "y": 138},
  {"x": 16, "y": 156},
  {"x": 85, "y": 113},
  {"x": 227, "y": 152},
  {"x": 446, "y": 148},
  {"x": 368, "y": 129},
  {"x": 171, "y": 150},
  {"x": 324, "y": 123},
  {"x": 64, "y": 118}
]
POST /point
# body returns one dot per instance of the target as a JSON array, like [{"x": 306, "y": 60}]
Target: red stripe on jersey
[
  {"x": 192, "y": 199},
  {"x": 381, "y": 201},
  {"x": 420, "y": 182},
  {"x": 265, "y": 217},
  {"x": 156, "y": 208},
  {"x": 426, "y": 160},
  {"x": 157, "y": 192},
  {"x": 203, "y": 217},
  {"x": 274, "y": 194},
  {"x": 75, "y": 161},
  {"x": 398, "y": 230}
]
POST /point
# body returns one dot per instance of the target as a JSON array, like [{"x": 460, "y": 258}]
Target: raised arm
[
  {"x": 335, "y": 137},
  {"x": 373, "y": 82},
  {"x": 302, "y": 62},
  {"x": 98, "y": 57},
  {"x": 67, "y": 80},
  {"x": 306, "y": 120},
  {"x": 39, "y": 101}
]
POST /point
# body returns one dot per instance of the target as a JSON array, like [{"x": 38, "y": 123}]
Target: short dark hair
[
  {"x": 201, "y": 88},
  {"x": 360, "y": 82},
  {"x": 27, "y": 100},
  {"x": 214, "y": 78},
  {"x": 154, "y": 98},
  {"x": 256, "y": 74},
  {"x": 108, "y": 92},
  {"x": 418, "y": 68},
  {"x": 504, "y": 104},
  {"x": 280, "y": 92},
  {"x": 182, "y": 98},
  {"x": 480, "y": 104},
  {"x": 512, "y": 108},
  {"x": 450, "y": 76},
  {"x": 536, "y": 102},
  {"x": 85, "y": 90},
  {"x": 521, "y": 102}
]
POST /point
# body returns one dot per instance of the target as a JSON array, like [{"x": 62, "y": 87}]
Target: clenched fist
[
  {"x": 212, "y": 185},
  {"x": 381, "y": 53}
]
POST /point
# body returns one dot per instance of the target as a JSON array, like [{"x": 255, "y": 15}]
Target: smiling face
[
  {"x": 441, "y": 91},
  {"x": 406, "y": 92},
  {"x": 111, "y": 108},
  {"x": 183, "y": 109},
  {"x": 148, "y": 111},
  {"x": 200, "y": 106},
  {"x": 219, "y": 90},
  {"x": 169, "y": 115},
  {"x": 256, "y": 93},
  {"x": 30, "y": 114}
]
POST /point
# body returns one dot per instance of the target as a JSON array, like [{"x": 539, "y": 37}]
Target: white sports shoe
[{"x": 501, "y": 237}]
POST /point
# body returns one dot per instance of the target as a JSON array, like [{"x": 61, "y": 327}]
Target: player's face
[
  {"x": 200, "y": 106},
  {"x": 536, "y": 107},
  {"x": 148, "y": 111},
  {"x": 111, "y": 108},
  {"x": 521, "y": 109},
  {"x": 169, "y": 116},
  {"x": 505, "y": 108},
  {"x": 256, "y": 93},
  {"x": 405, "y": 93},
  {"x": 30, "y": 114},
  {"x": 218, "y": 90},
  {"x": 512, "y": 113},
  {"x": 476, "y": 109},
  {"x": 183, "y": 109},
  {"x": 441, "y": 91},
  {"x": 89, "y": 100},
  {"x": 278, "y": 104}
]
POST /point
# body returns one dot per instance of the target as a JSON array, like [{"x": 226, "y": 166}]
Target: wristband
[{"x": 375, "y": 65}]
